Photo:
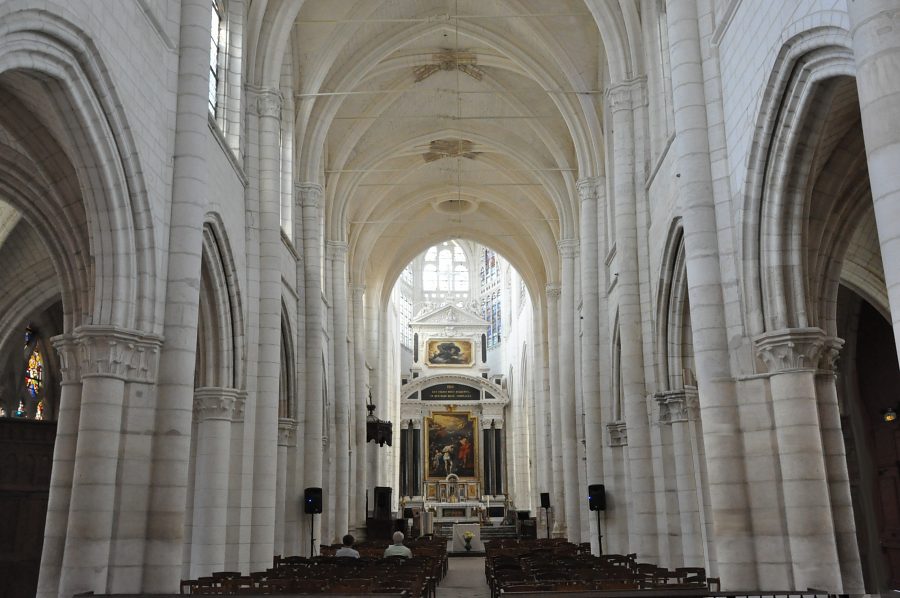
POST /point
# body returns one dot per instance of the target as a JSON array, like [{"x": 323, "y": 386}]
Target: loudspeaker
[
  {"x": 312, "y": 501},
  {"x": 597, "y": 497},
  {"x": 545, "y": 500},
  {"x": 407, "y": 513},
  {"x": 523, "y": 515},
  {"x": 382, "y": 502}
]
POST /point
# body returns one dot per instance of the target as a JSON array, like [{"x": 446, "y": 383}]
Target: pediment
[{"x": 449, "y": 315}]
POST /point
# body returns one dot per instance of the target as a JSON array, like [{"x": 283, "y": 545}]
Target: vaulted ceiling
[{"x": 435, "y": 119}]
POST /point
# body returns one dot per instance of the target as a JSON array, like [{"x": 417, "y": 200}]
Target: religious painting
[
  {"x": 473, "y": 491},
  {"x": 450, "y": 439},
  {"x": 430, "y": 491},
  {"x": 449, "y": 353}
]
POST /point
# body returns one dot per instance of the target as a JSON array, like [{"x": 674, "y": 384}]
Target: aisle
[{"x": 465, "y": 579}]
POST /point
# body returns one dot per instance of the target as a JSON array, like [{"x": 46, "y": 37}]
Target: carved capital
[
  {"x": 268, "y": 103},
  {"x": 287, "y": 432},
  {"x": 114, "y": 352},
  {"x": 677, "y": 406},
  {"x": 589, "y": 188},
  {"x": 568, "y": 248},
  {"x": 308, "y": 194},
  {"x": 553, "y": 292},
  {"x": 791, "y": 349},
  {"x": 240, "y": 403},
  {"x": 618, "y": 433},
  {"x": 69, "y": 358},
  {"x": 211, "y": 403},
  {"x": 831, "y": 352},
  {"x": 337, "y": 250},
  {"x": 618, "y": 98}
]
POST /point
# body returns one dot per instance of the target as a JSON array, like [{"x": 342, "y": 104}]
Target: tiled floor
[{"x": 464, "y": 579}]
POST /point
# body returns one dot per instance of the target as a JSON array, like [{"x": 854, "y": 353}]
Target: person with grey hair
[{"x": 397, "y": 548}]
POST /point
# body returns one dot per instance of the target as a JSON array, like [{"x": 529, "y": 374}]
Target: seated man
[
  {"x": 347, "y": 549},
  {"x": 397, "y": 548}
]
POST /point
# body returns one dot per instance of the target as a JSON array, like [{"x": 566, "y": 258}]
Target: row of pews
[
  {"x": 555, "y": 566},
  {"x": 417, "y": 577}
]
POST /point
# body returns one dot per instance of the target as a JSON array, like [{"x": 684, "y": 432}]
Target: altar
[{"x": 459, "y": 538}]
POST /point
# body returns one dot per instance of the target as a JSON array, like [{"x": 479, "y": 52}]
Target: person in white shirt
[
  {"x": 397, "y": 548},
  {"x": 347, "y": 549}
]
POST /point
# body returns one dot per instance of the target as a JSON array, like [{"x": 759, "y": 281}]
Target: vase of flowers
[{"x": 467, "y": 537}]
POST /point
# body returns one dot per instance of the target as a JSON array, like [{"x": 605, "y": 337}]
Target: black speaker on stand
[
  {"x": 597, "y": 502},
  {"x": 545, "y": 504},
  {"x": 312, "y": 506}
]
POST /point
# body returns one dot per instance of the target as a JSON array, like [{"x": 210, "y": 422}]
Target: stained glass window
[
  {"x": 34, "y": 373},
  {"x": 445, "y": 274}
]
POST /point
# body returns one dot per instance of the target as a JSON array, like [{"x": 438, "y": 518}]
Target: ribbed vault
[{"x": 408, "y": 109}]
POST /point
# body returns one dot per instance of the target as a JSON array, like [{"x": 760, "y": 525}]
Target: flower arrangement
[{"x": 467, "y": 536}]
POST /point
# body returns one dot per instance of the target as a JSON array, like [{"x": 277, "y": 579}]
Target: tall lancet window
[
  {"x": 34, "y": 380},
  {"x": 218, "y": 12},
  {"x": 445, "y": 273}
]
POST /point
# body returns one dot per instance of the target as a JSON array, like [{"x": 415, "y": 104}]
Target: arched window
[
  {"x": 31, "y": 404},
  {"x": 445, "y": 273},
  {"x": 216, "y": 38}
]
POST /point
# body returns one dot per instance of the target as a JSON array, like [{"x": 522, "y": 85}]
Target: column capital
[
  {"x": 268, "y": 103},
  {"x": 627, "y": 95},
  {"x": 553, "y": 291},
  {"x": 677, "y": 406},
  {"x": 212, "y": 403},
  {"x": 589, "y": 188},
  {"x": 358, "y": 290},
  {"x": 568, "y": 248},
  {"x": 308, "y": 194},
  {"x": 111, "y": 351},
  {"x": 69, "y": 363},
  {"x": 336, "y": 249},
  {"x": 618, "y": 433},
  {"x": 831, "y": 352},
  {"x": 287, "y": 432},
  {"x": 790, "y": 349}
]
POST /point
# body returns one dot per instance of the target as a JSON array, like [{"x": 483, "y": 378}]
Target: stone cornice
[
  {"x": 212, "y": 403},
  {"x": 108, "y": 351},
  {"x": 791, "y": 349},
  {"x": 308, "y": 194}
]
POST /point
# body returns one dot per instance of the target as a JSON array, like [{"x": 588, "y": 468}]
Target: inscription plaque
[{"x": 451, "y": 392}]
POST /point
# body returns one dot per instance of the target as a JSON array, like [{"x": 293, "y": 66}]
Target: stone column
[
  {"x": 265, "y": 448},
  {"x": 642, "y": 530},
  {"x": 108, "y": 356},
  {"x": 792, "y": 357},
  {"x": 566, "y": 405},
  {"x": 557, "y": 500},
  {"x": 174, "y": 405},
  {"x": 543, "y": 445},
  {"x": 309, "y": 196},
  {"x": 213, "y": 411},
  {"x": 287, "y": 439},
  {"x": 875, "y": 28},
  {"x": 338, "y": 251},
  {"x": 679, "y": 409},
  {"x": 734, "y": 555},
  {"x": 589, "y": 193},
  {"x": 360, "y": 475},
  {"x": 836, "y": 469},
  {"x": 63, "y": 465}
]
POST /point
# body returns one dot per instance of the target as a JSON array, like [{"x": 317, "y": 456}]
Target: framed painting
[
  {"x": 451, "y": 444},
  {"x": 448, "y": 353},
  {"x": 473, "y": 491}
]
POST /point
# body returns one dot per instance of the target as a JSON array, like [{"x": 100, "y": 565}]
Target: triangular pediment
[{"x": 448, "y": 315}]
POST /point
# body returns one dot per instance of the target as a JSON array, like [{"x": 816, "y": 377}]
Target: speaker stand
[
  {"x": 547, "y": 519},
  {"x": 312, "y": 539},
  {"x": 599, "y": 536}
]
